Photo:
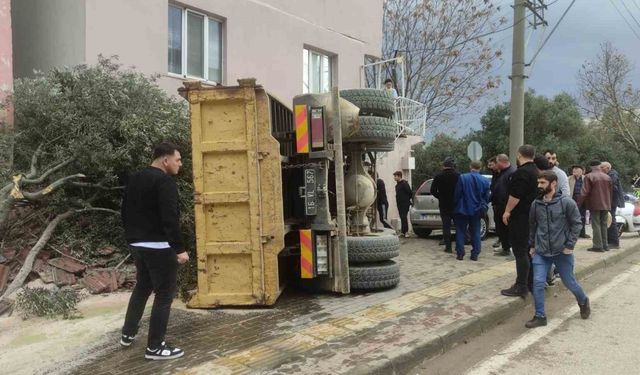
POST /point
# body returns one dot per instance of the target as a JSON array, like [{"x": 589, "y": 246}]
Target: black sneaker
[
  {"x": 474, "y": 258},
  {"x": 127, "y": 340},
  {"x": 448, "y": 250},
  {"x": 460, "y": 257},
  {"x": 514, "y": 291},
  {"x": 537, "y": 321},
  {"x": 163, "y": 352},
  {"x": 502, "y": 253},
  {"x": 585, "y": 309}
]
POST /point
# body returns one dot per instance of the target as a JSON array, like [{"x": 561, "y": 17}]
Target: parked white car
[{"x": 628, "y": 218}]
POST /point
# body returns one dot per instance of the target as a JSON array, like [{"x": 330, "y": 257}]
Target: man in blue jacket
[
  {"x": 471, "y": 199},
  {"x": 554, "y": 227}
]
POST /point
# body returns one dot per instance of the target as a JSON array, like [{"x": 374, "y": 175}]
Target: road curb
[{"x": 400, "y": 362}]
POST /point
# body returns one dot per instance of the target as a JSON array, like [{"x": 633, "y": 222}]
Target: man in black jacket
[
  {"x": 522, "y": 190},
  {"x": 403, "y": 200},
  {"x": 151, "y": 216},
  {"x": 499, "y": 198},
  {"x": 443, "y": 187},
  {"x": 382, "y": 202},
  {"x": 617, "y": 201}
]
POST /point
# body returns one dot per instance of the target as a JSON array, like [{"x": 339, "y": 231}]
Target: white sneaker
[{"x": 163, "y": 352}]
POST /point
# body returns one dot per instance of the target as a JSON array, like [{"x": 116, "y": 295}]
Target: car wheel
[
  {"x": 373, "y": 248},
  {"x": 372, "y": 276},
  {"x": 422, "y": 232},
  {"x": 484, "y": 228}
]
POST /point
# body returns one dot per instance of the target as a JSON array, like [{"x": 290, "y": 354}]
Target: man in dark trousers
[
  {"x": 403, "y": 200},
  {"x": 499, "y": 198},
  {"x": 382, "y": 202},
  {"x": 471, "y": 199},
  {"x": 523, "y": 189},
  {"x": 554, "y": 223},
  {"x": 596, "y": 197},
  {"x": 617, "y": 201},
  {"x": 151, "y": 221},
  {"x": 575, "y": 188},
  {"x": 443, "y": 187}
]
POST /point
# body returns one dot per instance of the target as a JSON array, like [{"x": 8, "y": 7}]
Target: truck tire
[
  {"x": 374, "y": 130},
  {"x": 373, "y": 248},
  {"x": 381, "y": 148},
  {"x": 372, "y": 276},
  {"x": 371, "y": 101}
]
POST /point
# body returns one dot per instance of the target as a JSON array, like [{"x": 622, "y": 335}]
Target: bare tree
[
  {"x": 448, "y": 49},
  {"x": 608, "y": 96}
]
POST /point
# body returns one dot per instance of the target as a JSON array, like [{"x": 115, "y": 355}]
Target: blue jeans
[
  {"x": 462, "y": 223},
  {"x": 564, "y": 264}
]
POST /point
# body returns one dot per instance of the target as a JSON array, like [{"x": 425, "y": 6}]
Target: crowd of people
[{"x": 539, "y": 210}]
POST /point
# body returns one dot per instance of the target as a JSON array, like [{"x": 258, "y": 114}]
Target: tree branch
[
  {"x": 52, "y": 187},
  {"x": 96, "y": 186},
  {"x": 33, "y": 180},
  {"x": 20, "y": 278},
  {"x": 34, "y": 162}
]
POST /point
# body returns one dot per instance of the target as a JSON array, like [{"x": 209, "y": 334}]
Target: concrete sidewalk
[{"x": 440, "y": 303}]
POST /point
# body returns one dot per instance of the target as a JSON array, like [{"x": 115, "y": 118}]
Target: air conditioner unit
[{"x": 408, "y": 162}]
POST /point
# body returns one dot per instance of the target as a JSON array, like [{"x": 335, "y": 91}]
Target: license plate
[{"x": 431, "y": 217}]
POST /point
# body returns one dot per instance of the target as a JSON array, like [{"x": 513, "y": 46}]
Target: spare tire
[
  {"x": 372, "y": 276},
  {"x": 381, "y": 148},
  {"x": 373, "y": 130},
  {"x": 373, "y": 248},
  {"x": 371, "y": 101}
]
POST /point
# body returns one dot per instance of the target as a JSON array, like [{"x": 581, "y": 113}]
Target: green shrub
[{"x": 48, "y": 303}]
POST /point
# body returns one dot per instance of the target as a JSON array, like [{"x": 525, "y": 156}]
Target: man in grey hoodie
[{"x": 554, "y": 226}]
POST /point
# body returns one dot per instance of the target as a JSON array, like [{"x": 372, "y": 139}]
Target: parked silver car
[{"x": 425, "y": 215}]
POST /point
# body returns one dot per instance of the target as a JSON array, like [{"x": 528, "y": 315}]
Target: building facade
[
  {"x": 6, "y": 63},
  {"x": 289, "y": 46},
  {"x": 286, "y": 45}
]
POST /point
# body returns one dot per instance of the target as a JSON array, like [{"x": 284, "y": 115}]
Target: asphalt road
[{"x": 607, "y": 343}]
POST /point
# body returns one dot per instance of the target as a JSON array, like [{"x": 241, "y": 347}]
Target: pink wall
[{"x": 6, "y": 54}]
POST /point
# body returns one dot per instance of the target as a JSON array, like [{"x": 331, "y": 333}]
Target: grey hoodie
[{"x": 554, "y": 225}]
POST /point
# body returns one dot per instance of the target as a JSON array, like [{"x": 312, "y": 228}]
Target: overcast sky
[{"x": 577, "y": 39}]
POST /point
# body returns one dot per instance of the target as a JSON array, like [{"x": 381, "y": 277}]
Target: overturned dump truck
[{"x": 282, "y": 195}]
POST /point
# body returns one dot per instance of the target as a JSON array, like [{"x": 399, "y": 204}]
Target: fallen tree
[{"x": 79, "y": 132}]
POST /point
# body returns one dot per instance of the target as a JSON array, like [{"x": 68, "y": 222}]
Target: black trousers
[
  {"x": 501, "y": 230},
  {"x": 446, "y": 217},
  {"x": 383, "y": 209},
  {"x": 583, "y": 217},
  {"x": 404, "y": 212},
  {"x": 519, "y": 238},
  {"x": 156, "y": 271},
  {"x": 612, "y": 231}
]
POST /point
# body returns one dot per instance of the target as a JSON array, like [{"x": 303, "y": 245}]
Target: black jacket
[
  {"x": 382, "y": 192},
  {"x": 403, "y": 194},
  {"x": 443, "y": 187},
  {"x": 524, "y": 186},
  {"x": 150, "y": 211},
  {"x": 500, "y": 187}
]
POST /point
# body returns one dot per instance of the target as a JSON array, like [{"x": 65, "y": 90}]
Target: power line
[
  {"x": 625, "y": 20},
  {"x": 631, "y": 14},
  {"x": 551, "y": 33}
]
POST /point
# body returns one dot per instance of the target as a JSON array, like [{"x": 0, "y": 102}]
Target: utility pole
[{"x": 516, "y": 120}]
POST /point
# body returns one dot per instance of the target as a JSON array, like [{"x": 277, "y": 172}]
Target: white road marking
[{"x": 499, "y": 360}]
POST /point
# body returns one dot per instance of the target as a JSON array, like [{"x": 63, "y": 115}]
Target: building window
[
  {"x": 316, "y": 72},
  {"x": 195, "y": 44}
]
